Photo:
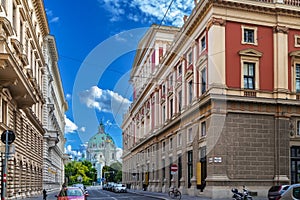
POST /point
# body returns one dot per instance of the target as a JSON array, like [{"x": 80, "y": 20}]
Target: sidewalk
[{"x": 165, "y": 196}]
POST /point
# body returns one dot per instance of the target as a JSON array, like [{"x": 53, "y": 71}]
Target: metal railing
[{"x": 287, "y": 2}]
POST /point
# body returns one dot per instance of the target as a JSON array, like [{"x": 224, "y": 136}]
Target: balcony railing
[{"x": 287, "y": 2}]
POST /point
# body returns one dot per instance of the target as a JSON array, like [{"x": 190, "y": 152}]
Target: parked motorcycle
[{"x": 241, "y": 195}]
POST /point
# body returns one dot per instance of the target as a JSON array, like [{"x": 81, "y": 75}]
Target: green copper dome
[{"x": 101, "y": 139}]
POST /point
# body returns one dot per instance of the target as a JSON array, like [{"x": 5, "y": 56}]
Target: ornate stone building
[
  {"x": 219, "y": 98},
  {"x": 32, "y": 102},
  {"x": 101, "y": 150}
]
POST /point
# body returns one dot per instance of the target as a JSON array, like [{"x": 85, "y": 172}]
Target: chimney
[{"x": 185, "y": 18}]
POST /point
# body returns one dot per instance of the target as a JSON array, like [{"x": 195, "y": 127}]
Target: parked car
[
  {"x": 275, "y": 191},
  {"x": 119, "y": 188},
  {"x": 292, "y": 193},
  {"x": 71, "y": 193},
  {"x": 81, "y": 186}
]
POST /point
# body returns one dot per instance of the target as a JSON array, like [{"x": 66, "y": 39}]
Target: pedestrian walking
[{"x": 44, "y": 194}]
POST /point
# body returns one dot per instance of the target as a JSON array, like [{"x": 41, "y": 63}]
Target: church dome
[{"x": 101, "y": 139}]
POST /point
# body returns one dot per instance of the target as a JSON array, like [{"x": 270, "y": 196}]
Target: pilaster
[
  {"x": 280, "y": 61},
  {"x": 216, "y": 52}
]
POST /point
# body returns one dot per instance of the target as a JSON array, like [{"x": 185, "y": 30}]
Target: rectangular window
[
  {"x": 171, "y": 108},
  {"x": 297, "y": 78},
  {"x": 179, "y": 139},
  {"x": 203, "y": 44},
  {"x": 163, "y": 90},
  {"x": 248, "y": 35},
  {"x": 179, "y": 169},
  {"x": 203, "y": 129},
  {"x": 203, "y": 81},
  {"x": 179, "y": 100},
  {"x": 190, "y": 167},
  {"x": 14, "y": 16},
  {"x": 4, "y": 112},
  {"x": 190, "y": 58},
  {"x": 171, "y": 143},
  {"x": 179, "y": 70},
  {"x": 163, "y": 113},
  {"x": 190, "y": 85},
  {"x": 163, "y": 169},
  {"x": 163, "y": 146},
  {"x": 170, "y": 81},
  {"x": 190, "y": 135},
  {"x": 298, "y": 128},
  {"x": 249, "y": 75}
]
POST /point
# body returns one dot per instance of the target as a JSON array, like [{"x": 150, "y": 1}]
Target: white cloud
[
  {"x": 70, "y": 126},
  {"x": 119, "y": 154},
  {"x": 104, "y": 100},
  {"x": 68, "y": 96},
  {"x": 82, "y": 129},
  {"x": 54, "y": 19},
  {"x": 72, "y": 153},
  {"x": 51, "y": 17},
  {"x": 149, "y": 11}
]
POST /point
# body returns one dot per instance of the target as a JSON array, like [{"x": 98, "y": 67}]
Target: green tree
[
  {"x": 76, "y": 171},
  {"x": 113, "y": 173}
]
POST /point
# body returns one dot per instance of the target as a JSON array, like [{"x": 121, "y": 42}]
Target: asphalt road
[{"x": 99, "y": 194}]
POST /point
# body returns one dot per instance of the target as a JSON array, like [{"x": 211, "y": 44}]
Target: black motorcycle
[{"x": 241, "y": 195}]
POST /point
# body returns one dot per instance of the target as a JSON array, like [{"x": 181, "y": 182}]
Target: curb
[{"x": 148, "y": 195}]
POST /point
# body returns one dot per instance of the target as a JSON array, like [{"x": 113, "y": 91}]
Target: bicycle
[{"x": 174, "y": 193}]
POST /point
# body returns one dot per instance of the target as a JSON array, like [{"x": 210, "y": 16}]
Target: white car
[
  {"x": 292, "y": 193},
  {"x": 119, "y": 188}
]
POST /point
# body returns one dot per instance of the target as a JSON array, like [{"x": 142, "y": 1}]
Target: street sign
[
  {"x": 11, "y": 136},
  {"x": 174, "y": 168}
]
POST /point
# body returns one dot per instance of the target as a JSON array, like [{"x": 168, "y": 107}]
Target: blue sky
[{"x": 96, "y": 42}]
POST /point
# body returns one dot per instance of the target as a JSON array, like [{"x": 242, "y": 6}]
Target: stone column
[
  {"x": 281, "y": 61},
  {"x": 216, "y": 50}
]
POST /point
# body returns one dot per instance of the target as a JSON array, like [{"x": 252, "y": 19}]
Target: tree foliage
[
  {"x": 113, "y": 173},
  {"x": 80, "y": 172}
]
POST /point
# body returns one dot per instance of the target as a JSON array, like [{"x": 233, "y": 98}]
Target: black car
[{"x": 276, "y": 191}]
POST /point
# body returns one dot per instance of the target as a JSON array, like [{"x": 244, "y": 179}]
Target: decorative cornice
[
  {"x": 215, "y": 21},
  {"x": 295, "y": 54},
  {"x": 250, "y": 52},
  {"x": 280, "y": 29}
]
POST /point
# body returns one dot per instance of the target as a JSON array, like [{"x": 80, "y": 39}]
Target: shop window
[{"x": 179, "y": 169}]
